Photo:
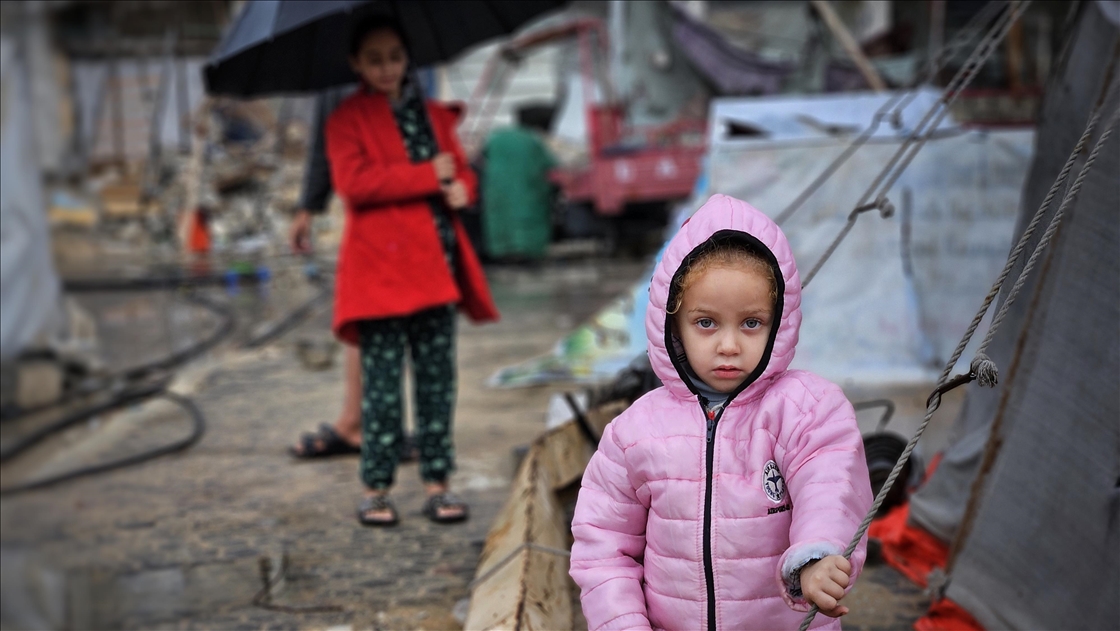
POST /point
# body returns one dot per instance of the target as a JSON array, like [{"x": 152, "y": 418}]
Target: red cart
[{"x": 627, "y": 165}]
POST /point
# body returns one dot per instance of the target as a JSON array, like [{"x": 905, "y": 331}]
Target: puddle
[{"x": 38, "y": 596}]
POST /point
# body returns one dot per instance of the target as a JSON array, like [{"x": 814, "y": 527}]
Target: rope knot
[
  {"x": 886, "y": 208},
  {"x": 986, "y": 371}
]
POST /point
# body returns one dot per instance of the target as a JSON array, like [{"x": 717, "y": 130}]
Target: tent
[
  {"x": 29, "y": 286},
  {"x": 1025, "y": 503}
]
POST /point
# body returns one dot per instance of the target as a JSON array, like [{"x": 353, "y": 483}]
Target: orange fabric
[
  {"x": 914, "y": 552},
  {"x": 199, "y": 232},
  {"x": 908, "y": 548},
  {"x": 946, "y": 615}
]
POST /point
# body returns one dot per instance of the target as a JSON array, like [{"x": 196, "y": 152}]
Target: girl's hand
[
  {"x": 444, "y": 164},
  {"x": 299, "y": 234},
  {"x": 823, "y": 583},
  {"x": 455, "y": 194}
]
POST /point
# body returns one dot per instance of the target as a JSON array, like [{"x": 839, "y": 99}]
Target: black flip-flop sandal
[
  {"x": 376, "y": 504},
  {"x": 322, "y": 444},
  {"x": 445, "y": 500}
]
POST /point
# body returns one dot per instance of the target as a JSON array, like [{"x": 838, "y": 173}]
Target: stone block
[{"x": 38, "y": 382}]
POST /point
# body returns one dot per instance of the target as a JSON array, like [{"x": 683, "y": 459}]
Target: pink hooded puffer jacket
[{"x": 684, "y": 523}]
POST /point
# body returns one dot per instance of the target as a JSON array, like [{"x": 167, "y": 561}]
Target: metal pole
[
  {"x": 117, "y": 107},
  {"x": 937, "y": 30},
  {"x": 182, "y": 92}
]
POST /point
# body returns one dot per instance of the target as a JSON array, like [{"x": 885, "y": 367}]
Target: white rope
[{"x": 935, "y": 399}]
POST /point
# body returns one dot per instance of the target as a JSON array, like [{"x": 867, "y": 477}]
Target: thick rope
[
  {"x": 935, "y": 399},
  {"x": 895, "y": 105},
  {"x": 924, "y": 130},
  {"x": 986, "y": 371}
]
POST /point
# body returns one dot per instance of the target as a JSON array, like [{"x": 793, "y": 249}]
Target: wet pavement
[{"x": 179, "y": 542}]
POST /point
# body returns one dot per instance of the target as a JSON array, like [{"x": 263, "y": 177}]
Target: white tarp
[
  {"x": 868, "y": 318},
  {"x": 140, "y": 85},
  {"x": 29, "y": 288}
]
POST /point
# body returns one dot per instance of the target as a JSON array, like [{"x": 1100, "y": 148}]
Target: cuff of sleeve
[
  {"x": 626, "y": 621},
  {"x": 793, "y": 561}
]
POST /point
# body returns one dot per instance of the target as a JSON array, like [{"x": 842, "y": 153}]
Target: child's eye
[
  {"x": 752, "y": 323},
  {"x": 705, "y": 323}
]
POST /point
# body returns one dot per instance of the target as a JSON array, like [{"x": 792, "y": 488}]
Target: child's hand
[
  {"x": 299, "y": 234},
  {"x": 455, "y": 194},
  {"x": 444, "y": 164},
  {"x": 823, "y": 583}
]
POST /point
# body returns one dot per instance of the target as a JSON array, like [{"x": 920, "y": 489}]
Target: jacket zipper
[{"x": 709, "y": 571}]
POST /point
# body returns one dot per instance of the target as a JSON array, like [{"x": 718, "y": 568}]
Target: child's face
[
  {"x": 381, "y": 62},
  {"x": 724, "y": 324}
]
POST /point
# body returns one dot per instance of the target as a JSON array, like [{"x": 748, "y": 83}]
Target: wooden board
[{"x": 522, "y": 582}]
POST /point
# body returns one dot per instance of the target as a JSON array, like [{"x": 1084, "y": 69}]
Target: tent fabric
[
  {"x": 29, "y": 286},
  {"x": 730, "y": 69},
  {"x": 939, "y": 505},
  {"x": 1038, "y": 548}
]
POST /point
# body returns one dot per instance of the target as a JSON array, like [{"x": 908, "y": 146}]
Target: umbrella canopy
[{"x": 285, "y": 46}]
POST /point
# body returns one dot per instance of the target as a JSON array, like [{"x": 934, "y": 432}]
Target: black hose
[
  {"x": 291, "y": 318},
  {"x": 158, "y": 387},
  {"x": 199, "y": 427},
  {"x": 225, "y": 327},
  {"x": 177, "y": 279},
  {"x": 86, "y": 285},
  {"x": 133, "y": 395}
]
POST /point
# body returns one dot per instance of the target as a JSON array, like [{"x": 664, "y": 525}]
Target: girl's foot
[
  {"x": 327, "y": 441},
  {"x": 442, "y": 507},
  {"x": 377, "y": 509}
]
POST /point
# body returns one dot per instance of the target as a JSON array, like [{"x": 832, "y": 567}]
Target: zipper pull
[{"x": 711, "y": 424}]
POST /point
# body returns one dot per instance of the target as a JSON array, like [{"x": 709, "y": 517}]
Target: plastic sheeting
[
  {"x": 29, "y": 287},
  {"x": 894, "y": 299}
]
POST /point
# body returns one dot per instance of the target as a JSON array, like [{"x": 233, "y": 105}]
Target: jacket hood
[{"x": 727, "y": 217}]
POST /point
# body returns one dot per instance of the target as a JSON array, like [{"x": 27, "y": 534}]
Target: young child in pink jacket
[{"x": 725, "y": 499}]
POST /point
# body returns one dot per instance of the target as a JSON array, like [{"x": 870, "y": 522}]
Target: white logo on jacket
[{"x": 773, "y": 482}]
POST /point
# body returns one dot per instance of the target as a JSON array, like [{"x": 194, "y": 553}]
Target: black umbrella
[{"x": 285, "y": 46}]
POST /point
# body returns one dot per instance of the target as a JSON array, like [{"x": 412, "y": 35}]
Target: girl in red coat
[{"x": 405, "y": 263}]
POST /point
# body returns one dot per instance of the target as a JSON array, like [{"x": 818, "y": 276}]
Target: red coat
[{"x": 391, "y": 261}]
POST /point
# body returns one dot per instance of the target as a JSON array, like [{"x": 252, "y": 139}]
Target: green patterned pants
[{"x": 429, "y": 336}]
